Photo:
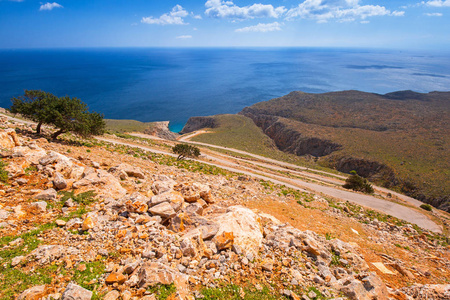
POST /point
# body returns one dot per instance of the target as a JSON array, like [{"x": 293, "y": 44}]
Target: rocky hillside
[
  {"x": 399, "y": 140},
  {"x": 89, "y": 220}
]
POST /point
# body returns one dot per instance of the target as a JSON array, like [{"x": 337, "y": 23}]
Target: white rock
[
  {"x": 40, "y": 206},
  {"x": 76, "y": 292},
  {"x": 245, "y": 226},
  {"x": 49, "y": 194}
]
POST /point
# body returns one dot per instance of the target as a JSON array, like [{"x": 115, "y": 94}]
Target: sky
[{"x": 397, "y": 24}]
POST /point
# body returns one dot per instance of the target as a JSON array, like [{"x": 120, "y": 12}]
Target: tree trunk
[
  {"x": 56, "y": 134},
  {"x": 38, "y": 128}
]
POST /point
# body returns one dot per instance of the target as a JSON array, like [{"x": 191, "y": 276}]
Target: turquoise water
[{"x": 175, "y": 84}]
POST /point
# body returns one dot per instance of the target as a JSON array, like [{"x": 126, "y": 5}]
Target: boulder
[
  {"x": 152, "y": 273},
  {"x": 224, "y": 240},
  {"x": 48, "y": 194},
  {"x": 180, "y": 222},
  {"x": 68, "y": 167},
  {"x": 31, "y": 155},
  {"x": 187, "y": 247},
  {"x": 162, "y": 185},
  {"x": 59, "y": 182},
  {"x": 76, "y": 292},
  {"x": 104, "y": 183},
  {"x": 375, "y": 286},
  {"x": 88, "y": 223},
  {"x": 245, "y": 227},
  {"x": 40, "y": 206},
  {"x": 370, "y": 287},
  {"x": 175, "y": 199},
  {"x": 127, "y": 169},
  {"x": 136, "y": 203},
  {"x": 4, "y": 214},
  {"x": 115, "y": 277},
  {"x": 8, "y": 139},
  {"x": 17, "y": 260},
  {"x": 35, "y": 292},
  {"x": 194, "y": 208},
  {"x": 354, "y": 289},
  {"x": 112, "y": 295},
  {"x": 164, "y": 210}
]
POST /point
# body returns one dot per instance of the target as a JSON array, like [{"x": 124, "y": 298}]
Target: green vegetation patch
[
  {"x": 85, "y": 198},
  {"x": 427, "y": 207},
  {"x": 3, "y": 172},
  {"x": 122, "y": 126},
  {"x": 235, "y": 292},
  {"x": 163, "y": 291},
  {"x": 88, "y": 278},
  {"x": 14, "y": 281}
]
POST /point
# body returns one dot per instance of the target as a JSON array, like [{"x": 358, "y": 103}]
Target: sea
[{"x": 173, "y": 84}]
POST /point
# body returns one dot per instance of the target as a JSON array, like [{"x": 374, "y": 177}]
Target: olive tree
[
  {"x": 358, "y": 183},
  {"x": 64, "y": 113},
  {"x": 185, "y": 150}
]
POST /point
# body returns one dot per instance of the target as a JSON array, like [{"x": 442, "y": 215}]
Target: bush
[
  {"x": 427, "y": 207},
  {"x": 358, "y": 183},
  {"x": 3, "y": 172},
  {"x": 185, "y": 150}
]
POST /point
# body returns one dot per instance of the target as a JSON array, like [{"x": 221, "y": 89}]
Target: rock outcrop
[
  {"x": 288, "y": 139},
  {"x": 161, "y": 130},
  {"x": 196, "y": 123}
]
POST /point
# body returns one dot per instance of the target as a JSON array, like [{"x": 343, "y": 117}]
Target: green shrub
[
  {"x": 85, "y": 198},
  {"x": 427, "y": 207},
  {"x": 358, "y": 183},
  {"x": 185, "y": 150},
  {"x": 3, "y": 172}
]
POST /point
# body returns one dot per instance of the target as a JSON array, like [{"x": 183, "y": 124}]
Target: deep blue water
[{"x": 174, "y": 84}]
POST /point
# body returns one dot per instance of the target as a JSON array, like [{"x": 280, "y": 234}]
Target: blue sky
[{"x": 220, "y": 23}]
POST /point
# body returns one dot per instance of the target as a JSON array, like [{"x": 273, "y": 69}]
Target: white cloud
[
  {"x": 50, "y": 6},
  {"x": 341, "y": 10},
  {"x": 227, "y": 9},
  {"x": 184, "y": 37},
  {"x": 275, "y": 26},
  {"x": 433, "y": 14},
  {"x": 437, "y": 3},
  {"x": 175, "y": 17}
]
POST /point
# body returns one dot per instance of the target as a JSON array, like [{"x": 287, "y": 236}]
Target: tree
[
  {"x": 185, "y": 150},
  {"x": 358, "y": 183},
  {"x": 65, "y": 113},
  {"x": 36, "y": 105}
]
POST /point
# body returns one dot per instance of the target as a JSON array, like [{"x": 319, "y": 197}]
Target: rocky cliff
[
  {"x": 289, "y": 139},
  {"x": 196, "y": 123},
  {"x": 161, "y": 130}
]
